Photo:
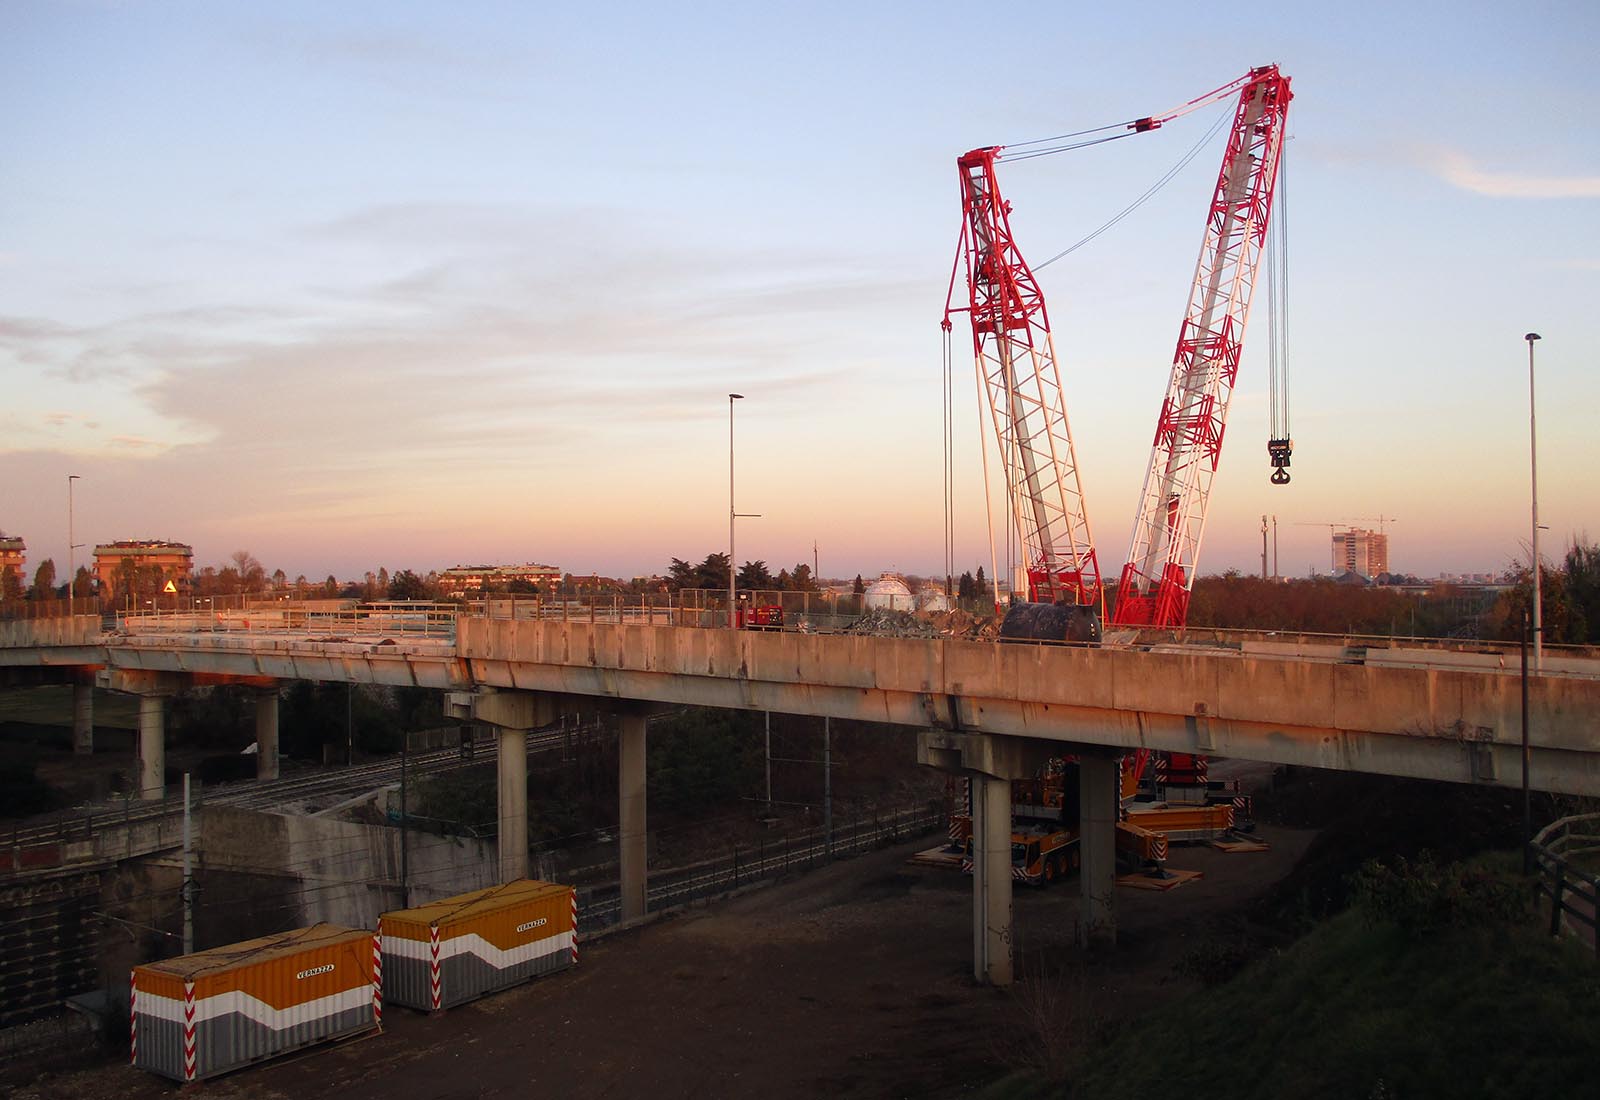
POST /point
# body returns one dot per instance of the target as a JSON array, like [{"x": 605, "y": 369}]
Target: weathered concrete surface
[
  {"x": 632, "y": 828},
  {"x": 991, "y": 880},
  {"x": 1449, "y": 724},
  {"x": 1097, "y": 846},
  {"x": 266, "y": 700},
  {"x": 1454, "y": 724},
  {"x": 338, "y": 871}
]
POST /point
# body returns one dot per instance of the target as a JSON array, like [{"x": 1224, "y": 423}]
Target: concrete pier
[
  {"x": 512, "y": 800},
  {"x": 991, "y": 880},
  {"x": 83, "y": 719},
  {"x": 152, "y": 746},
  {"x": 1097, "y": 847},
  {"x": 632, "y": 832},
  {"x": 267, "y": 733},
  {"x": 513, "y": 714}
]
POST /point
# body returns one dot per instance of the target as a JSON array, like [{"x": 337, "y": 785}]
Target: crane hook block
[{"x": 1279, "y": 451}]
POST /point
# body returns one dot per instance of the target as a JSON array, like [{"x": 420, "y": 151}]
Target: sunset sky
[{"x": 361, "y": 284}]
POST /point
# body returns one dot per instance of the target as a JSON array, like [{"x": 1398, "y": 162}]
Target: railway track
[{"x": 43, "y": 844}]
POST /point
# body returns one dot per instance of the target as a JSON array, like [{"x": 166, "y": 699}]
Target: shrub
[{"x": 1420, "y": 896}]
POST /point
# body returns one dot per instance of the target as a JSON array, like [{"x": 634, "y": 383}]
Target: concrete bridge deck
[
  {"x": 986, "y": 710},
  {"x": 1391, "y": 712}
]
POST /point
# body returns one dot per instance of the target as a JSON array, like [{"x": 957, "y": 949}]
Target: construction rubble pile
[{"x": 883, "y": 623}]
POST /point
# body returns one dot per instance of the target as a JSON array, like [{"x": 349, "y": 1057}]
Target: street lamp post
[
  {"x": 71, "y": 544},
  {"x": 732, "y": 515},
  {"x": 1533, "y": 452}
]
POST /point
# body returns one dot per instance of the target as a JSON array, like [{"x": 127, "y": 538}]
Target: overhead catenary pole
[
  {"x": 827, "y": 785},
  {"x": 188, "y": 880},
  {"x": 1533, "y": 455}
]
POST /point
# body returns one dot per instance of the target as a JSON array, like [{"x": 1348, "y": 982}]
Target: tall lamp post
[
  {"x": 72, "y": 545},
  {"x": 733, "y": 619},
  {"x": 1533, "y": 451},
  {"x": 732, "y": 515}
]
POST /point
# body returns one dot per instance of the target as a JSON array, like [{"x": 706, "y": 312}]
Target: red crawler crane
[
  {"x": 1159, "y": 574},
  {"x": 1016, "y": 367}
]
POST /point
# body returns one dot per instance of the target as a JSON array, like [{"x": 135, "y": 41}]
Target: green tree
[
  {"x": 1582, "y": 567},
  {"x": 127, "y": 583},
  {"x": 10, "y": 584},
  {"x": 252, "y": 574},
  {"x": 980, "y": 586},
  {"x": 406, "y": 585},
  {"x": 755, "y": 575},
  {"x": 967, "y": 587},
  {"x": 713, "y": 572},
  {"x": 860, "y": 586},
  {"x": 44, "y": 580},
  {"x": 800, "y": 579}
]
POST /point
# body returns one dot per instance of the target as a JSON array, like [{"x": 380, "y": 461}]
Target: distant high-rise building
[{"x": 1360, "y": 551}]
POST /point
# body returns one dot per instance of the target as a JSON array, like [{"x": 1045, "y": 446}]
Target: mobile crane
[
  {"x": 1016, "y": 366},
  {"x": 1019, "y": 380}
]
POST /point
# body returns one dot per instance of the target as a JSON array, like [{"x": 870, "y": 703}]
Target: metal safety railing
[
  {"x": 328, "y": 619},
  {"x": 1564, "y": 854},
  {"x": 695, "y": 607}
]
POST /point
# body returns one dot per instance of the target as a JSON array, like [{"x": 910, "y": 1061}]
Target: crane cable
[
  {"x": 1280, "y": 444},
  {"x": 1150, "y": 193},
  {"x": 949, "y": 468}
]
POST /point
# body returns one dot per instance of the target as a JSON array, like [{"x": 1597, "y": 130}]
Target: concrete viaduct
[{"x": 987, "y": 711}]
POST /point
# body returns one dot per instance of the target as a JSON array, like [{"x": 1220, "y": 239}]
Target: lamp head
[
  {"x": 740, "y": 396},
  {"x": 1532, "y": 336}
]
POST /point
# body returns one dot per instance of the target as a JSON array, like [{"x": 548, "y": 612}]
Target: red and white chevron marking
[
  {"x": 1158, "y": 847},
  {"x": 433, "y": 965},
  {"x": 377, "y": 974},
  {"x": 133, "y": 1017},
  {"x": 574, "y": 927},
  {"x": 188, "y": 1031}
]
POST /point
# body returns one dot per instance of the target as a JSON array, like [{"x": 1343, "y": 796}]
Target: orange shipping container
[
  {"x": 203, "y": 1014},
  {"x": 459, "y": 948}
]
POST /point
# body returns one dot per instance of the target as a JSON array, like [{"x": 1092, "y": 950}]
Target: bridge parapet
[
  {"x": 76, "y": 630},
  {"x": 1454, "y": 724}
]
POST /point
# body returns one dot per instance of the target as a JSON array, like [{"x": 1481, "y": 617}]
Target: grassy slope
[{"x": 1357, "y": 1010}]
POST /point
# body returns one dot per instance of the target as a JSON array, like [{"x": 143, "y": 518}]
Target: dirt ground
[{"x": 853, "y": 981}]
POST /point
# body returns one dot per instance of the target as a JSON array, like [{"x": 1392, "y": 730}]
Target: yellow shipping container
[
  {"x": 459, "y": 948},
  {"x": 203, "y": 1014}
]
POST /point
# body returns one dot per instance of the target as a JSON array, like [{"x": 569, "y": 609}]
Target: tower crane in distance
[{"x": 1159, "y": 574}]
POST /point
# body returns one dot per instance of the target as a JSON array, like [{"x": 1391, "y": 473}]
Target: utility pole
[
  {"x": 405, "y": 849},
  {"x": 1274, "y": 547},
  {"x": 1527, "y": 804},
  {"x": 1263, "y": 546},
  {"x": 769, "y": 760}
]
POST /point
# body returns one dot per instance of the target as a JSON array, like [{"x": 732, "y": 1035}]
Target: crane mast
[
  {"x": 1159, "y": 574},
  {"x": 1015, "y": 360}
]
